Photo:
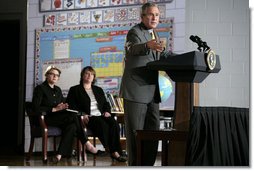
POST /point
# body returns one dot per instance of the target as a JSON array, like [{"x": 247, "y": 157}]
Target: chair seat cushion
[
  {"x": 89, "y": 132},
  {"x": 52, "y": 131}
]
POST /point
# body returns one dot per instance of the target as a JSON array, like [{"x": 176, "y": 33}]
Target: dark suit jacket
[
  {"x": 140, "y": 84},
  {"x": 78, "y": 99},
  {"x": 45, "y": 98}
]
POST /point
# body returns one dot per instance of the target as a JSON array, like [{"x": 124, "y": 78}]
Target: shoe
[
  {"x": 119, "y": 159},
  {"x": 99, "y": 153},
  {"x": 74, "y": 153},
  {"x": 124, "y": 154},
  {"x": 55, "y": 160}
]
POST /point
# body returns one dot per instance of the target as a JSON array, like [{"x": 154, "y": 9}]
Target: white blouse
[{"x": 94, "y": 105}]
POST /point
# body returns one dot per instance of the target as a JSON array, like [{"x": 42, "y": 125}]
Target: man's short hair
[{"x": 146, "y": 6}]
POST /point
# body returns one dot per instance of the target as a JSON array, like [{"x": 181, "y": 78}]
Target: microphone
[
  {"x": 193, "y": 38},
  {"x": 206, "y": 47},
  {"x": 200, "y": 43}
]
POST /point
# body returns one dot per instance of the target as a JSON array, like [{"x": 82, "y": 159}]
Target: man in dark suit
[{"x": 139, "y": 86}]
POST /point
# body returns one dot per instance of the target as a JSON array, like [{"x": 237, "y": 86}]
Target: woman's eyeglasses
[{"x": 53, "y": 74}]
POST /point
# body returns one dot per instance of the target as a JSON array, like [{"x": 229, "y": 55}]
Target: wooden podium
[{"x": 185, "y": 69}]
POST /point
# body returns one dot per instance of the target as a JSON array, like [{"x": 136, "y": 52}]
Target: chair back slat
[{"x": 33, "y": 118}]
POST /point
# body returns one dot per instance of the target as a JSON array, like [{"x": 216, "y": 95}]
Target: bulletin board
[
  {"x": 100, "y": 46},
  {"x": 60, "y": 5}
]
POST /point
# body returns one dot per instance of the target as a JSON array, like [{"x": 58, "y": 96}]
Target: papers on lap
[{"x": 70, "y": 110}]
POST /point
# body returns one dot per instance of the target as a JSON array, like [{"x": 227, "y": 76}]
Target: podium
[{"x": 185, "y": 69}]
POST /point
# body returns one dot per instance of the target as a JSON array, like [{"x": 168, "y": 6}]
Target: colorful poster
[{"x": 100, "y": 46}]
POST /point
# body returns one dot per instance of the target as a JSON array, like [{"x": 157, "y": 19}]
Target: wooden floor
[{"x": 36, "y": 161}]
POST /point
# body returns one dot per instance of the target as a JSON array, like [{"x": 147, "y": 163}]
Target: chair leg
[
  {"x": 81, "y": 152},
  {"x": 94, "y": 144},
  {"x": 31, "y": 147},
  {"x": 78, "y": 151},
  {"x": 94, "y": 141},
  {"x": 45, "y": 146},
  {"x": 84, "y": 155}
]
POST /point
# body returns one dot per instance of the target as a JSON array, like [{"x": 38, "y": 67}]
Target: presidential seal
[{"x": 211, "y": 59}]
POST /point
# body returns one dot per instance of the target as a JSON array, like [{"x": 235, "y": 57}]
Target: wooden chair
[
  {"x": 81, "y": 147},
  {"x": 39, "y": 129}
]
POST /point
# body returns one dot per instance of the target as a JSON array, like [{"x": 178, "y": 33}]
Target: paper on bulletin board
[
  {"x": 61, "y": 49},
  {"x": 70, "y": 69}
]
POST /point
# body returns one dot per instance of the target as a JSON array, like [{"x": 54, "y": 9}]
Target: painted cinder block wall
[{"x": 223, "y": 24}]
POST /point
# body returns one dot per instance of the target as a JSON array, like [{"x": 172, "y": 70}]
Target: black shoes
[
  {"x": 99, "y": 153},
  {"x": 119, "y": 159},
  {"x": 104, "y": 153}
]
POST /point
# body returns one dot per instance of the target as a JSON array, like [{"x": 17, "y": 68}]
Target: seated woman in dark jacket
[
  {"x": 47, "y": 97},
  {"x": 90, "y": 99}
]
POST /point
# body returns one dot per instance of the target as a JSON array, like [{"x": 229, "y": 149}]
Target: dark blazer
[
  {"x": 45, "y": 97},
  {"x": 140, "y": 84},
  {"x": 78, "y": 99}
]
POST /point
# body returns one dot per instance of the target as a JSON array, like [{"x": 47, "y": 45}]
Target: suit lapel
[{"x": 146, "y": 35}]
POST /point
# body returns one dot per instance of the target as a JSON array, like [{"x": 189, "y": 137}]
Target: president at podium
[{"x": 140, "y": 87}]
